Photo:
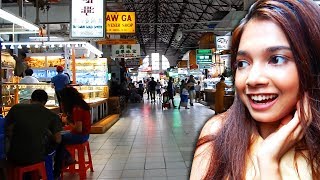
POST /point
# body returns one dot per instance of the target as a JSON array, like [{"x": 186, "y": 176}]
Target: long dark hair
[
  {"x": 299, "y": 21},
  {"x": 70, "y": 98}
]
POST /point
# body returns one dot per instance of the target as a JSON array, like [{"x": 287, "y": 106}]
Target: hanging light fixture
[
  {"x": 19, "y": 47},
  {"x": 11, "y": 47},
  {"x": 36, "y": 46},
  {"x": 52, "y": 46},
  {"x": 68, "y": 45},
  {"x": 4, "y": 47},
  {"x": 60, "y": 45},
  {"x": 28, "y": 45}
]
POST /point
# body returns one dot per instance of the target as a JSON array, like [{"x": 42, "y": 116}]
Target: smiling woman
[{"x": 272, "y": 130}]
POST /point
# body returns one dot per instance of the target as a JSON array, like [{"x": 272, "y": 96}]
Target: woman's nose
[{"x": 257, "y": 76}]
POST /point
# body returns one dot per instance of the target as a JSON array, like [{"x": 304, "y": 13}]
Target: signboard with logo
[
  {"x": 87, "y": 19},
  {"x": 226, "y": 59},
  {"x": 121, "y": 22},
  {"x": 125, "y": 51},
  {"x": 205, "y": 66},
  {"x": 223, "y": 42},
  {"x": 132, "y": 62},
  {"x": 204, "y": 56}
]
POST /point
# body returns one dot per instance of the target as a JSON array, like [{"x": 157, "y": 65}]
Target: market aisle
[{"x": 148, "y": 143}]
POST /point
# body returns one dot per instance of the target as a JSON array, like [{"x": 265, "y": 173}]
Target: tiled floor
[{"x": 148, "y": 143}]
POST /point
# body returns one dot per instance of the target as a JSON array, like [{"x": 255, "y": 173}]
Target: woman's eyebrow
[
  {"x": 242, "y": 53},
  {"x": 277, "y": 48}
]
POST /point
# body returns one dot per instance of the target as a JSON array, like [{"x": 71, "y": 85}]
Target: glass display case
[
  {"x": 95, "y": 96},
  {"x": 91, "y": 71},
  {"x": 43, "y": 64},
  {"x": 7, "y": 66}
]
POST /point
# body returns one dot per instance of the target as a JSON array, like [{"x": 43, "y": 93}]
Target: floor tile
[{"x": 147, "y": 143}]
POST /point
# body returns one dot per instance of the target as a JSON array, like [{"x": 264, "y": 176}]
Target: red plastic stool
[
  {"x": 83, "y": 165},
  {"x": 36, "y": 169}
]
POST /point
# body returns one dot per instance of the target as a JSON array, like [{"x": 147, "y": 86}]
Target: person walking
[
  {"x": 184, "y": 95},
  {"x": 192, "y": 93},
  {"x": 152, "y": 88},
  {"x": 171, "y": 91}
]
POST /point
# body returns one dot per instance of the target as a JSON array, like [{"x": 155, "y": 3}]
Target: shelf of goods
[
  {"x": 7, "y": 66},
  {"x": 43, "y": 64},
  {"x": 91, "y": 71},
  {"x": 95, "y": 96}
]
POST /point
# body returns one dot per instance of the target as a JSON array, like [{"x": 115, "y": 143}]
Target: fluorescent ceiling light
[
  {"x": 43, "y": 38},
  {"x": 16, "y": 20},
  {"x": 86, "y": 45},
  {"x": 19, "y": 32}
]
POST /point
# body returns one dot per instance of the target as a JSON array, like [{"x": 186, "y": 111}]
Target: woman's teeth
[{"x": 258, "y": 98}]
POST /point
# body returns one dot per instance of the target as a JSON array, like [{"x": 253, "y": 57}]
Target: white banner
[
  {"x": 223, "y": 42},
  {"x": 87, "y": 19},
  {"x": 125, "y": 51},
  {"x": 226, "y": 59}
]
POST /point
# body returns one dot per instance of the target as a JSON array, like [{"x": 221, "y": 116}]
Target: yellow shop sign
[{"x": 121, "y": 22}]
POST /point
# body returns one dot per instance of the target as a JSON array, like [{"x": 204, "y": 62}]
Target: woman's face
[{"x": 266, "y": 77}]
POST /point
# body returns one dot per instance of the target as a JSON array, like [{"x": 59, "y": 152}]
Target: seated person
[
  {"x": 77, "y": 116},
  {"x": 27, "y": 127},
  {"x": 25, "y": 94}
]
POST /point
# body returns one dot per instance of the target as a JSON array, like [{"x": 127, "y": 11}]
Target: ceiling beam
[
  {"x": 176, "y": 27},
  {"x": 157, "y": 4}
]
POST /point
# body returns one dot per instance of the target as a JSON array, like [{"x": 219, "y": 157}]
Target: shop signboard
[
  {"x": 204, "y": 56},
  {"x": 131, "y": 63},
  {"x": 226, "y": 59},
  {"x": 117, "y": 41},
  {"x": 223, "y": 42},
  {"x": 121, "y": 22},
  {"x": 125, "y": 51},
  {"x": 145, "y": 69},
  {"x": 87, "y": 19},
  {"x": 205, "y": 66}
]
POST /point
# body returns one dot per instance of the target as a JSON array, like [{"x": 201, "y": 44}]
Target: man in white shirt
[
  {"x": 29, "y": 79},
  {"x": 25, "y": 94}
]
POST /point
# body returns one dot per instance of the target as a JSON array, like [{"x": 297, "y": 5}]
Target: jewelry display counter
[{"x": 95, "y": 95}]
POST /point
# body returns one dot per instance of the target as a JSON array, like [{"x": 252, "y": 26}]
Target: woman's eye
[
  {"x": 242, "y": 64},
  {"x": 277, "y": 60}
]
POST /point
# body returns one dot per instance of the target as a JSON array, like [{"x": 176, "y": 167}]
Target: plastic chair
[
  {"x": 81, "y": 166},
  {"x": 36, "y": 169}
]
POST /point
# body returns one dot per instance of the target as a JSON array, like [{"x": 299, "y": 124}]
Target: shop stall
[{"x": 95, "y": 95}]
